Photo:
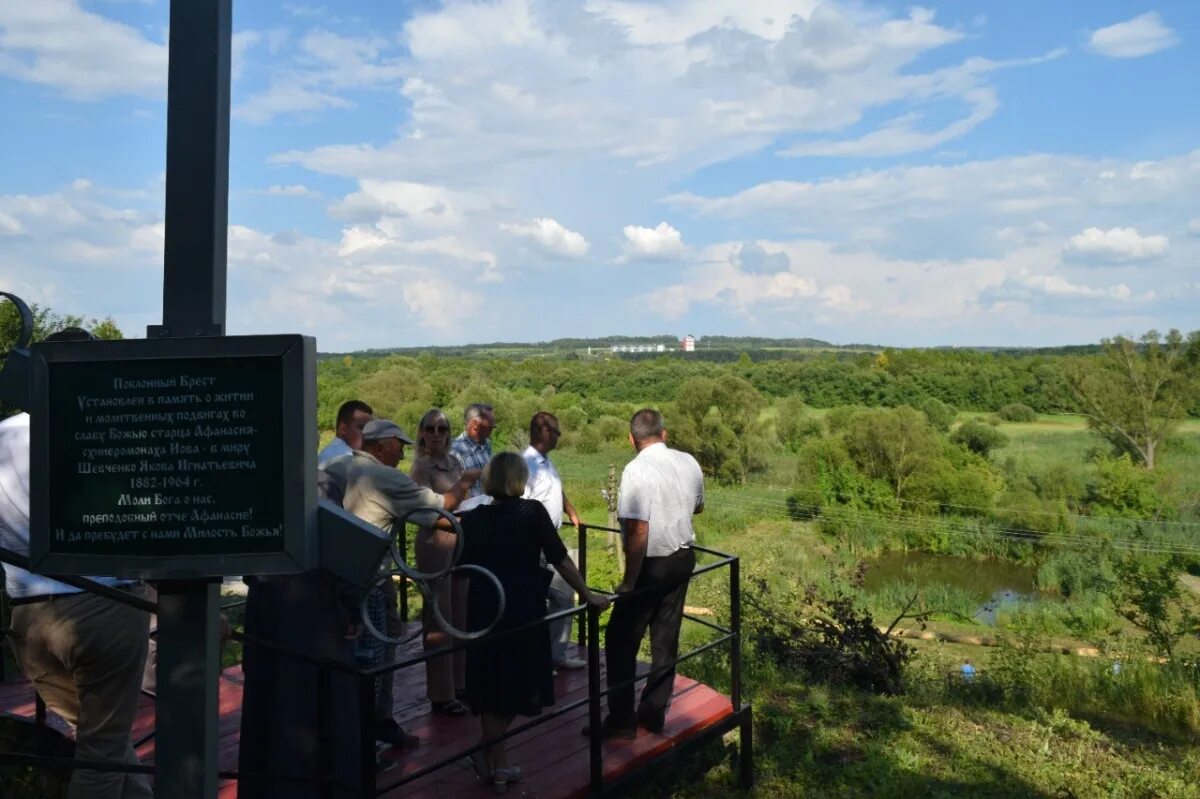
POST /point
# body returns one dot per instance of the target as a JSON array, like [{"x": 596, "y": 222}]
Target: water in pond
[{"x": 996, "y": 584}]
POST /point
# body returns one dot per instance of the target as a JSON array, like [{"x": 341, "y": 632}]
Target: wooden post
[{"x": 615, "y": 544}]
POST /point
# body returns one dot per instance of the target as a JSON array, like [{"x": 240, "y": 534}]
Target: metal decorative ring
[
  {"x": 471, "y": 635},
  {"x": 430, "y": 598},
  {"x": 26, "y": 333},
  {"x": 365, "y": 609},
  {"x": 416, "y": 575}
]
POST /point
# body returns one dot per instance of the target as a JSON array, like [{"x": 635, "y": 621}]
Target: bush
[
  {"x": 978, "y": 437},
  {"x": 939, "y": 414},
  {"x": 1123, "y": 489},
  {"x": 1017, "y": 412}
]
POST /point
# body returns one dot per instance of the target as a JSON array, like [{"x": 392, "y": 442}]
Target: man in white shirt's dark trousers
[{"x": 661, "y": 489}]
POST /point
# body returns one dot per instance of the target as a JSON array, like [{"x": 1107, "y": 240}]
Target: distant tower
[{"x": 689, "y": 343}]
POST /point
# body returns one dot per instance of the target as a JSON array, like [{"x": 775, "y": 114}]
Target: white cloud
[
  {"x": 551, "y": 236},
  {"x": 975, "y": 208},
  {"x": 1116, "y": 245},
  {"x": 1140, "y": 36},
  {"x": 899, "y": 135},
  {"x": 293, "y": 190},
  {"x": 715, "y": 80},
  {"x": 286, "y": 97},
  {"x": 1059, "y": 286},
  {"x": 9, "y": 226},
  {"x": 1193, "y": 227},
  {"x": 662, "y": 241},
  {"x": 84, "y": 55}
]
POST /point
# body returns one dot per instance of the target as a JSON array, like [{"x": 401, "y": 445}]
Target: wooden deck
[{"x": 553, "y": 756}]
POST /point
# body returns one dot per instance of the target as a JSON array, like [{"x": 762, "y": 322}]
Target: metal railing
[{"x": 588, "y": 633}]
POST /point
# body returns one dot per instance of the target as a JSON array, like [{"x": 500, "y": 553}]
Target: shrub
[
  {"x": 939, "y": 414},
  {"x": 1017, "y": 412},
  {"x": 978, "y": 437},
  {"x": 1122, "y": 489}
]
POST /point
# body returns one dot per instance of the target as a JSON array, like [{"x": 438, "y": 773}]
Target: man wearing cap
[{"x": 380, "y": 494}]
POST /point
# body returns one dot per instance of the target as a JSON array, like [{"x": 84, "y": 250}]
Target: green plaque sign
[{"x": 174, "y": 457}]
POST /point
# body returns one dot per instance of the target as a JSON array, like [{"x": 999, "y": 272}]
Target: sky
[{"x": 411, "y": 173}]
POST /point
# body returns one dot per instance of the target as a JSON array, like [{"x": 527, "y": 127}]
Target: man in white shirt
[
  {"x": 546, "y": 487},
  {"x": 83, "y": 652},
  {"x": 352, "y": 417},
  {"x": 661, "y": 489}
]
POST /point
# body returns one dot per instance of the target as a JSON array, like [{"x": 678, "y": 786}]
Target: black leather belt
[{"x": 17, "y": 601}]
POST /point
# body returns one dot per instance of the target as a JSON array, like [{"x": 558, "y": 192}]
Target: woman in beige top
[{"x": 438, "y": 468}]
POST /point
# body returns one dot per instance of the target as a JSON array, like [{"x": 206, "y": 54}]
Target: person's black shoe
[
  {"x": 651, "y": 721},
  {"x": 389, "y": 732},
  {"x": 610, "y": 730}
]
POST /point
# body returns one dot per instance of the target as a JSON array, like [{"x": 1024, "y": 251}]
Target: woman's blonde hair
[
  {"x": 432, "y": 415},
  {"x": 505, "y": 476}
]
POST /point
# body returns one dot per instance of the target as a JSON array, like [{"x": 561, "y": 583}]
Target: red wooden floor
[{"x": 553, "y": 756}]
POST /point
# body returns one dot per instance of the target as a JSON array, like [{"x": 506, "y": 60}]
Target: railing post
[
  {"x": 366, "y": 713},
  {"x": 595, "y": 734},
  {"x": 735, "y": 627},
  {"x": 582, "y": 543},
  {"x": 325, "y": 729},
  {"x": 746, "y": 749}
]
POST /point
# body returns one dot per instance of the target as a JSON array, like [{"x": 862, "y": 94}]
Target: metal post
[
  {"x": 595, "y": 734},
  {"x": 194, "y": 280},
  {"x": 746, "y": 749},
  {"x": 197, "y": 212},
  {"x": 366, "y": 723},
  {"x": 325, "y": 729},
  {"x": 735, "y": 628},
  {"x": 582, "y": 542},
  {"x": 186, "y": 703}
]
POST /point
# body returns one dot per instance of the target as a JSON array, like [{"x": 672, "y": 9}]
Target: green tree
[
  {"x": 892, "y": 445},
  {"x": 1122, "y": 489},
  {"x": 1136, "y": 392},
  {"x": 1147, "y": 593},
  {"x": 978, "y": 437},
  {"x": 719, "y": 422}
]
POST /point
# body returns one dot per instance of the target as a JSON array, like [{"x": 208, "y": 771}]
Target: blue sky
[{"x": 412, "y": 173}]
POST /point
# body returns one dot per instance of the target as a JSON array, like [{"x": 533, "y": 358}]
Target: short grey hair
[
  {"x": 476, "y": 410},
  {"x": 646, "y": 424}
]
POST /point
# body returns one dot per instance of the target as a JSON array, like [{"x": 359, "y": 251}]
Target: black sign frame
[{"x": 297, "y": 358}]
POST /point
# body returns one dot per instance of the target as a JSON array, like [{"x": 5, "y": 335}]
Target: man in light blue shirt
[
  {"x": 352, "y": 417},
  {"x": 474, "y": 445}
]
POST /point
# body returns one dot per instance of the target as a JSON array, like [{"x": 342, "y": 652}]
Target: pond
[{"x": 994, "y": 583}]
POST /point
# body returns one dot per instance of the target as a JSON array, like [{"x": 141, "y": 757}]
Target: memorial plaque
[{"x": 174, "y": 457}]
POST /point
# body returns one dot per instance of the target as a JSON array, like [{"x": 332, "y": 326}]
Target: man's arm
[
  {"x": 637, "y": 536},
  {"x": 458, "y": 492},
  {"x": 569, "y": 509}
]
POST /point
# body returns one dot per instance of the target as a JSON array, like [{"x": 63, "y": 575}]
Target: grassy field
[{"x": 1078, "y": 733}]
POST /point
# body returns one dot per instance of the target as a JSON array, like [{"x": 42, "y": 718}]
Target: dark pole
[
  {"x": 197, "y": 212},
  {"x": 194, "y": 273}
]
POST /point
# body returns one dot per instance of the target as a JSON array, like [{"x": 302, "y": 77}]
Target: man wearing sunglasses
[{"x": 545, "y": 485}]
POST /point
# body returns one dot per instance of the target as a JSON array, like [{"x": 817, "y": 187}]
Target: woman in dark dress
[{"x": 514, "y": 675}]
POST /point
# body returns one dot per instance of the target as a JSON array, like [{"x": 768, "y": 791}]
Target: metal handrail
[
  {"x": 589, "y": 631},
  {"x": 591, "y": 625}
]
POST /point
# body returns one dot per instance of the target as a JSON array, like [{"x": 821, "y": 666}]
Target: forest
[{"x": 1033, "y": 512}]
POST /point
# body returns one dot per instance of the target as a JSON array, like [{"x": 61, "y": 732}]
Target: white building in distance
[{"x": 688, "y": 344}]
